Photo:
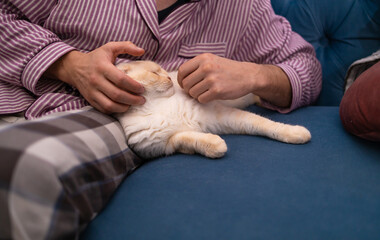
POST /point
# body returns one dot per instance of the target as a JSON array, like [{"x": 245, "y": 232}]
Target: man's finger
[
  {"x": 118, "y": 95},
  {"x": 206, "y": 97},
  {"x": 106, "y": 105},
  {"x": 186, "y": 69},
  {"x": 198, "y": 89},
  {"x": 191, "y": 80},
  {"x": 128, "y": 47},
  {"x": 122, "y": 81}
]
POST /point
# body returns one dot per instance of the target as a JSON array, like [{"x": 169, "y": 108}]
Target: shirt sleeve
[
  {"x": 272, "y": 41},
  {"x": 28, "y": 49}
]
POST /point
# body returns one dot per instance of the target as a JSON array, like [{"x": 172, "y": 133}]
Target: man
[
  {"x": 223, "y": 49},
  {"x": 57, "y": 56}
]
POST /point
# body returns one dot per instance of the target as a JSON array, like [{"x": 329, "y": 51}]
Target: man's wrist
[
  {"x": 272, "y": 84},
  {"x": 60, "y": 69}
]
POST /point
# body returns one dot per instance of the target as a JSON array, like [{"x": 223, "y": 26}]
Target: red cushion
[{"x": 360, "y": 105}]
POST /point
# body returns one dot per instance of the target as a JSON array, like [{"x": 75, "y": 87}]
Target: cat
[{"x": 171, "y": 121}]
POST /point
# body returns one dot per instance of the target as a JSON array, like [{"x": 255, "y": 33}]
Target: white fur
[{"x": 171, "y": 121}]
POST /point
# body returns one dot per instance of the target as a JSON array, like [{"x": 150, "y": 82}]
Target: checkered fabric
[{"x": 57, "y": 173}]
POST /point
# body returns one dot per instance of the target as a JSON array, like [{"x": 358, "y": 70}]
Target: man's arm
[
  {"x": 271, "y": 40},
  {"x": 271, "y": 61},
  {"x": 36, "y": 59},
  {"x": 208, "y": 77},
  {"x": 27, "y": 48}
]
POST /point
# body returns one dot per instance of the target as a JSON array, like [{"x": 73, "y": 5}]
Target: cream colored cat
[{"x": 171, "y": 121}]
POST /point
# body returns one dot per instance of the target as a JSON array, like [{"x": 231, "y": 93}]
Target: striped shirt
[{"x": 35, "y": 33}]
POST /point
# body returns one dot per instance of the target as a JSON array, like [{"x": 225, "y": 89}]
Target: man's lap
[{"x": 58, "y": 172}]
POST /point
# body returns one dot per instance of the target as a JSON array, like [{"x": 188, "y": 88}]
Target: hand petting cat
[
  {"x": 208, "y": 77},
  {"x": 98, "y": 80},
  {"x": 172, "y": 121}
]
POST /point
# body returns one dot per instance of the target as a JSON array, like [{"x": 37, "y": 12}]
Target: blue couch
[{"x": 263, "y": 189}]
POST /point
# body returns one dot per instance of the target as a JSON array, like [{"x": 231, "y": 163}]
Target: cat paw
[
  {"x": 297, "y": 135},
  {"x": 212, "y": 146}
]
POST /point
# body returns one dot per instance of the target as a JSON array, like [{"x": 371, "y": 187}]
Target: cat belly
[{"x": 148, "y": 132}]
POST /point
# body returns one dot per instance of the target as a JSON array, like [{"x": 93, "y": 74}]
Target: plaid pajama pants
[{"x": 57, "y": 173}]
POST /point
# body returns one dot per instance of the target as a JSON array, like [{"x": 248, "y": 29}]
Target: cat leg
[
  {"x": 191, "y": 142},
  {"x": 242, "y": 102},
  {"x": 242, "y": 122}
]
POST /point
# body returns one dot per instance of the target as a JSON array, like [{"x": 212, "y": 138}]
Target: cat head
[{"x": 155, "y": 79}]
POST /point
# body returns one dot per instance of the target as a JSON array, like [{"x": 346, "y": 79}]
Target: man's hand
[
  {"x": 104, "y": 86},
  {"x": 208, "y": 77}
]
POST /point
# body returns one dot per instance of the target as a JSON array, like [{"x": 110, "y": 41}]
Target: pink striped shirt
[{"x": 35, "y": 33}]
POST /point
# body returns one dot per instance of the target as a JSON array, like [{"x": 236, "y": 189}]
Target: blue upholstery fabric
[
  {"x": 341, "y": 31},
  {"x": 262, "y": 189}
]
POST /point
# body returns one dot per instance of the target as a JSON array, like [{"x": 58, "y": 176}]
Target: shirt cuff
[
  {"x": 296, "y": 91},
  {"x": 32, "y": 75}
]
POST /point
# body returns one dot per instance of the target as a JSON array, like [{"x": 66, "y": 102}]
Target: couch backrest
[{"x": 341, "y": 31}]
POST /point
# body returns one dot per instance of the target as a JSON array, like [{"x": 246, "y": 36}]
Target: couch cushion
[
  {"x": 262, "y": 189},
  {"x": 360, "y": 108},
  {"x": 341, "y": 32}
]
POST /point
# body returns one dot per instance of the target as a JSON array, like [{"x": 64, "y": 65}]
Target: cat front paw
[{"x": 212, "y": 146}]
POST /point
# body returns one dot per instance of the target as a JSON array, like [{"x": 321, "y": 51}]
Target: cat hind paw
[
  {"x": 297, "y": 135},
  {"x": 213, "y": 146}
]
